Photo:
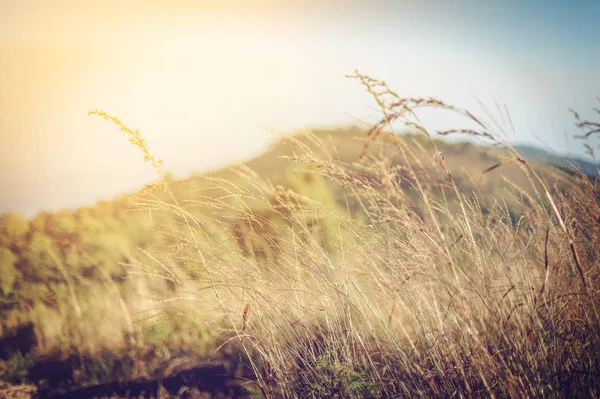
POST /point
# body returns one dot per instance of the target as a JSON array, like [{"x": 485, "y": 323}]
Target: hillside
[
  {"x": 89, "y": 243},
  {"x": 563, "y": 162},
  {"x": 94, "y": 279}
]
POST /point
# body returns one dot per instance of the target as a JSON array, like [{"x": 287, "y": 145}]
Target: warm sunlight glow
[
  {"x": 214, "y": 84},
  {"x": 288, "y": 199}
]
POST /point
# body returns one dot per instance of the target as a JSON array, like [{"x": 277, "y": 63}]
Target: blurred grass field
[{"x": 355, "y": 262}]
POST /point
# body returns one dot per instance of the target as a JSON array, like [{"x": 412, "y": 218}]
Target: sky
[{"x": 212, "y": 83}]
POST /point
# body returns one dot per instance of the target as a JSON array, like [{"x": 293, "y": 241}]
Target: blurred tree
[
  {"x": 321, "y": 222},
  {"x": 13, "y": 228},
  {"x": 8, "y": 272},
  {"x": 37, "y": 264}
]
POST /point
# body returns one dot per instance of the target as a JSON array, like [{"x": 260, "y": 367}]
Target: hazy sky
[{"x": 208, "y": 82}]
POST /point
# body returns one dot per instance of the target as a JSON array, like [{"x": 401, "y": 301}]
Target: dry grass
[{"x": 408, "y": 285}]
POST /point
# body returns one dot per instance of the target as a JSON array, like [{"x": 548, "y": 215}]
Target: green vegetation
[{"x": 342, "y": 263}]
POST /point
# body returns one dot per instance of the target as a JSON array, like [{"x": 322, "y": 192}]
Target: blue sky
[{"x": 209, "y": 82}]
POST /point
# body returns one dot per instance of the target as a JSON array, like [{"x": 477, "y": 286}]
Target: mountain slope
[
  {"x": 44, "y": 260},
  {"x": 562, "y": 162}
]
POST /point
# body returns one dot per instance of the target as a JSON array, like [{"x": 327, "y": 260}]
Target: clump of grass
[{"x": 405, "y": 284}]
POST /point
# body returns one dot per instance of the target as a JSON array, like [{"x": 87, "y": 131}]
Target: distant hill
[
  {"x": 84, "y": 280},
  {"x": 562, "y": 162},
  {"x": 48, "y": 259}
]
